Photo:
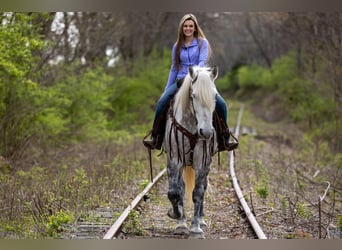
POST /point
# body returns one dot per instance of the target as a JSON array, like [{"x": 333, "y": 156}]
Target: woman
[{"x": 192, "y": 48}]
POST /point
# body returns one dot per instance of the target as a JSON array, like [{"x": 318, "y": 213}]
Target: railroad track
[
  {"x": 113, "y": 231},
  {"x": 229, "y": 215},
  {"x": 255, "y": 225}
]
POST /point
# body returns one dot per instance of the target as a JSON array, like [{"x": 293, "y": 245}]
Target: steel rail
[
  {"x": 112, "y": 232},
  {"x": 257, "y": 229}
]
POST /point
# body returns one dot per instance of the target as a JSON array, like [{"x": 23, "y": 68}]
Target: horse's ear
[
  {"x": 214, "y": 72},
  {"x": 191, "y": 72}
]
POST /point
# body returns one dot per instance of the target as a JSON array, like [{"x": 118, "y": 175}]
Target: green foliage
[
  {"x": 307, "y": 100},
  {"x": 255, "y": 76},
  {"x": 302, "y": 211},
  {"x": 80, "y": 104},
  {"x": 228, "y": 82},
  {"x": 262, "y": 188},
  {"x": 19, "y": 39},
  {"x": 339, "y": 222},
  {"x": 284, "y": 69},
  {"x": 133, "y": 99},
  {"x": 57, "y": 223},
  {"x": 133, "y": 224},
  {"x": 248, "y": 76},
  {"x": 261, "y": 174},
  {"x": 144, "y": 183},
  {"x": 284, "y": 206},
  {"x": 303, "y": 102}
]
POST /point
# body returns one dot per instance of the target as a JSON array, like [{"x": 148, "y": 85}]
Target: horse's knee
[
  {"x": 198, "y": 194},
  {"x": 173, "y": 196}
]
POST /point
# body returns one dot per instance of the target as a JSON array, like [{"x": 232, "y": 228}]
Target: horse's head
[{"x": 203, "y": 98}]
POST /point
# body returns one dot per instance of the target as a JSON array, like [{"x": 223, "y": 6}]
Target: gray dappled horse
[{"x": 190, "y": 140}]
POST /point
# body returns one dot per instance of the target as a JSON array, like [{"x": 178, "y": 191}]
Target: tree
[
  {"x": 18, "y": 86},
  {"x": 317, "y": 37}
]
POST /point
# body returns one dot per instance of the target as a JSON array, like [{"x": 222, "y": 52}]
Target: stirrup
[
  {"x": 232, "y": 145},
  {"x": 229, "y": 146},
  {"x": 151, "y": 144},
  {"x": 148, "y": 143}
]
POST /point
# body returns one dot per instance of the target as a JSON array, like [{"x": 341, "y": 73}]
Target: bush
[
  {"x": 57, "y": 223},
  {"x": 284, "y": 69},
  {"x": 135, "y": 98}
]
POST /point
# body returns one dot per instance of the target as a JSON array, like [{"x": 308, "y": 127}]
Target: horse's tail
[{"x": 189, "y": 180}]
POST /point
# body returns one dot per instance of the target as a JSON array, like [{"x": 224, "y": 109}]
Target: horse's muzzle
[{"x": 205, "y": 133}]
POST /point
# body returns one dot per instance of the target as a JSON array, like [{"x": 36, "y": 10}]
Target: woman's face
[{"x": 188, "y": 28}]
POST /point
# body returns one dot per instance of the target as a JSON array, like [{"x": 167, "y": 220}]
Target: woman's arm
[
  {"x": 173, "y": 71},
  {"x": 203, "y": 52}
]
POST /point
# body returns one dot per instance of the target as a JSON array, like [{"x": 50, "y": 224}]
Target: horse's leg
[
  {"x": 176, "y": 196},
  {"x": 176, "y": 190},
  {"x": 201, "y": 212},
  {"x": 198, "y": 199}
]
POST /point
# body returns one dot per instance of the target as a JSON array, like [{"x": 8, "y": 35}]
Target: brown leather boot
[
  {"x": 224, "y": 144},
  {"x": 223, "y": 134},
  {"x": 157, "y": 133},
  {"x": 232, "y": 145}
]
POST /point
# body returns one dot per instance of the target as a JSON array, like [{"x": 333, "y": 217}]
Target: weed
[
  {"x": 144, "y": 183},
  {"x": 339, "y": 222},
  {"x": 262, "y": 191},
  {"x": 283, "y": 202},
  {"x": 302, "y": 211},
  {"x": 133, "y": 224},
  {"x": 58, "y": 222},
  {"x": 262, "y": 187},
  {"x": 228, "y": 183}
]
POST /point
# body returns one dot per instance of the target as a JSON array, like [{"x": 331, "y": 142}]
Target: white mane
[{"x": 202, "y": 87}]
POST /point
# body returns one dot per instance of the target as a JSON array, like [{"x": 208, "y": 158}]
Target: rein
[{"x": 193, "y": 138}]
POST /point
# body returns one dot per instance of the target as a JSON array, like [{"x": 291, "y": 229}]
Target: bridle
[{"x": 192, "y": 137}]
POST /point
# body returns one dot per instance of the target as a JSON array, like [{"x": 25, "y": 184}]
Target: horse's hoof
[
  {"x": 172, "y": 214},
  {"x": 181, "y": 230},
  {"x": 202, "y": 223},
  {"x": 196, "y": 230},
  {"x": 196, "y": 235}
]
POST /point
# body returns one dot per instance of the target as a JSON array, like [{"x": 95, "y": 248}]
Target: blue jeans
[
  {"x": 164, "y": 100},
  {"x": 166, "y": 97}
]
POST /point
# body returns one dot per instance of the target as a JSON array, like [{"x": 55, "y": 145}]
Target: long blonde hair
[{"x": 199, "y": 34}]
